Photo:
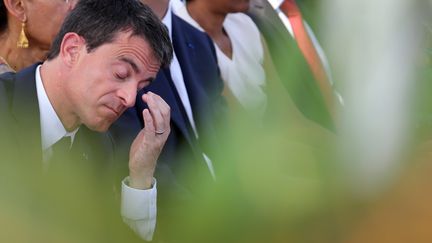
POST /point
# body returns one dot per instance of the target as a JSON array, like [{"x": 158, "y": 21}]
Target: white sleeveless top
[{"x": 243, "y": 74}]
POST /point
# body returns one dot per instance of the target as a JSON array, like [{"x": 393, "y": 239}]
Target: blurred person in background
[
  {"x": 27, "y": 29},
  {"x": 239, "y": 50},
  {"x": 246, "y": 67},
  {"x": 54, "y": 117},
  {"x": 292, "y": 43},
  {"x": 248, "y": 71},
  {"x": 192, "y": 87}
]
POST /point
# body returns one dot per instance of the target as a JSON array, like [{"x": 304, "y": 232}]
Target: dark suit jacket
[
  {"x": 21, "y": 120},
  {"x": 74, "y": 191},
  {"x": 290, "y": 64}
]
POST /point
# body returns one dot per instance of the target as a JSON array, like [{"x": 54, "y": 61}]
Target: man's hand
[{"x": 148, "y": 144}]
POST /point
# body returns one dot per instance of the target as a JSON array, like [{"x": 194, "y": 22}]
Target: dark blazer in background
[{"x": 290, "y": 64}]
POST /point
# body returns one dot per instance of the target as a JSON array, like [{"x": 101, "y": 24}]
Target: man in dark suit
[
  {"x": 290, "y": 64},
  {"x": 201, "y": 92},
  {"x": 192, "y": 88},
  {"x": 106, "y": 50}
]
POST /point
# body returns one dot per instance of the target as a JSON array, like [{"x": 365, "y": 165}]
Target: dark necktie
[
  {"x": 305, "y": 44},
  {"x": 61, "y": 149}
]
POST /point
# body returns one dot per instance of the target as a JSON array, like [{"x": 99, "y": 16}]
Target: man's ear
[
  {"x": 71, "y": 48},
  {"x": 17, "y": 9}
]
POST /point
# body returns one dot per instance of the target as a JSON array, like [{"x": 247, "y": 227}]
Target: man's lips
[{"x": 116, "y": 112}]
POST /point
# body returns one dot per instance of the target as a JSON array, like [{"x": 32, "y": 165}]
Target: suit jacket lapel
[
  {"x": 187, "y": 56},
  {"x": 93, "y": 149},
  {"x": 25, "y": 109}
]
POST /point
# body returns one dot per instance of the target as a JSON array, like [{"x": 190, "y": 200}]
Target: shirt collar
[
  {"x": 275, "y": 3},
  {"x": 52, "y": 130},
  {"x": 167, "y": 20}
]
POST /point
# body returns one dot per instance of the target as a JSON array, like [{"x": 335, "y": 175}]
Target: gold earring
[{"x": 22, "y": 39}]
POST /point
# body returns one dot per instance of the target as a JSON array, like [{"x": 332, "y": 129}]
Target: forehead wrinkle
[
  {"x": 132, "y": 63},
  {"x": 142, "y": 56}
]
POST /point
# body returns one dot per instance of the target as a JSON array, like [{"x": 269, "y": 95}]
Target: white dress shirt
[
  {"x": 138, "y": 207},
  {"x": 52, "y": 129}
]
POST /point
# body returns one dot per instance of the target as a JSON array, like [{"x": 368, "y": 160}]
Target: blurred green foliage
[{"x": 278, "y": 180}]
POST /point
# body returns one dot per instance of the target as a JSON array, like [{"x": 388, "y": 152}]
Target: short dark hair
[
  {"x": 3, "y": 16},
  {"x": 99, "y": 21}
]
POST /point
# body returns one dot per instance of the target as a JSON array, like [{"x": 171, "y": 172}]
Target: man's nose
[{"x": 128, "y": 94}]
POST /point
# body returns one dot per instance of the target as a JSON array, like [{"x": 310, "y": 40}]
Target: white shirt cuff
[{"x": 138, "y": 209}]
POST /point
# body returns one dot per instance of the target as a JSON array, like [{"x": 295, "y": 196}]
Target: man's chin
[{"x": 100, "y": 127}]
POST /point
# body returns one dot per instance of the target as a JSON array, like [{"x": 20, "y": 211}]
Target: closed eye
[{"x": 121, "y": 76}]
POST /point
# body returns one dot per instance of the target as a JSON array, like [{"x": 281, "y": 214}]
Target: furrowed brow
[{"x": 132, "y": 63}]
